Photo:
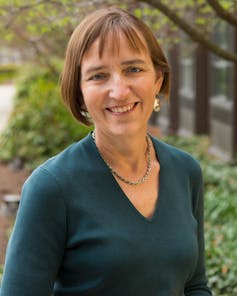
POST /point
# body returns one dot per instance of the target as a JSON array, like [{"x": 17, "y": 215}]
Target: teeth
[{"x": 122, "y": 109}]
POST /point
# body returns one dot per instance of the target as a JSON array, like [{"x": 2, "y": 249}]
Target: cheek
[
  {"x": 87, "y": 94},
  {"x": 93, "y": 103},
  {"x": 147, "y": 91}
]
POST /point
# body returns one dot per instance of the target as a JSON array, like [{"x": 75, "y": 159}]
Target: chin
[{"x": 129, "y": 130}]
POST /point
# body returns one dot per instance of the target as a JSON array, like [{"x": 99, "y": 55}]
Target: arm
[
  {"x": 37, "y": 243},
  {"x": 197, "y": 285}
]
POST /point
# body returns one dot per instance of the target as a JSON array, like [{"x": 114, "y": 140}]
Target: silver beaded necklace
[{"x": 141, "y": 180}]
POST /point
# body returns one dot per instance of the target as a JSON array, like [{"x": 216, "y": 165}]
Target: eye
[
  {"x": 98, "y": 76},
  {"x": 134, "y": 70}
]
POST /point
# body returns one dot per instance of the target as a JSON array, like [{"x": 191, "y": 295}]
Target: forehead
[{"x": 114, "y": 41}]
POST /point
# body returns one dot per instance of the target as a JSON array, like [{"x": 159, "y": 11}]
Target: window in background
[
  {"x": 187, "y": 67},
  {"x": 222, "y": 71}
]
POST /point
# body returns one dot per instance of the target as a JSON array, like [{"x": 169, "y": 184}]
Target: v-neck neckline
[{"x": 119, "y": 190}]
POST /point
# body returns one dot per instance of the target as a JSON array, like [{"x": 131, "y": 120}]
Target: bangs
[{"x": 111, "y": 33}]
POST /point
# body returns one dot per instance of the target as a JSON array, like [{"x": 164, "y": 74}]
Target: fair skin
[{"x": 119, "y": 91}]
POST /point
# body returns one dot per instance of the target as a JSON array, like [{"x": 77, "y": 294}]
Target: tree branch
[
  {"x": 192, "y": 32},
  {"x": 14, "y": 12},
  {"x": 222, "y": 13},
  {"x": 43, "y": 58}
]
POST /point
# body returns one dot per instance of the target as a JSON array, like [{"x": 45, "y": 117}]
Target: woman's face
[{"x": 119, "y": 88}]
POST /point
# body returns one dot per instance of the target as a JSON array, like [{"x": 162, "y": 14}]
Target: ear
[{"x": 159, "y": 82}]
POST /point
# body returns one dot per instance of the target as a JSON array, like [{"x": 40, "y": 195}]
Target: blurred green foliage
[
  {"x": 40, "y": 125},
  {"x": 1, "y": 271},
  {"x": 8, "y": 73}
]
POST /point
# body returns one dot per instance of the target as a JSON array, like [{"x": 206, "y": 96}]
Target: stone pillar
[
  {"x": 201, "y": 104},
  {"x": 174, "y": 104}
]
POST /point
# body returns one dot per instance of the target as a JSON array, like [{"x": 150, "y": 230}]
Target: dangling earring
[{"x": 157, "y": 104}]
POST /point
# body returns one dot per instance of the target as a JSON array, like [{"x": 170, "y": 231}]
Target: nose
[{"x": 119, "y": 88}]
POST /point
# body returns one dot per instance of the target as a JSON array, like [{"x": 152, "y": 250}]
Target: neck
[
  {"x": 130, "y": 168},
  {"x": 123, "y": 151},
  {"x": 127, "y": 170}
]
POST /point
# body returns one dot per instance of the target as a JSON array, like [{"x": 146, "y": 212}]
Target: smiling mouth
[{"x": 122, "y": 109}]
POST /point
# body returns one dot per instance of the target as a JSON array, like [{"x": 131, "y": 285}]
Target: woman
[{"x": 119, "y": 212}]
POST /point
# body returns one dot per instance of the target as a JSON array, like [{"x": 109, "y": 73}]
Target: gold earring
[{"x": 157, "y": 104}]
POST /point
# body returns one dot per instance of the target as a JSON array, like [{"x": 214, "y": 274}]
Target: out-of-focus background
[{"x": 200, "y": 41}]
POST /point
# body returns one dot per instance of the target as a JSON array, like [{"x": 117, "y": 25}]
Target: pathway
[{"x": 7, "y": 92}]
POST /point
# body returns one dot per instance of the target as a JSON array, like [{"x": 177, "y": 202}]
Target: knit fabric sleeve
[
  {"x": 197, "y": 284},
  {"x": 37, "y": 242}
]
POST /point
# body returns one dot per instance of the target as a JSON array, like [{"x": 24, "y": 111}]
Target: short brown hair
[{"x": 98, "y": 25}]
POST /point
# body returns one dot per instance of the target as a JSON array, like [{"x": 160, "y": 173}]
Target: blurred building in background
[{"x": 204, "y": 94}]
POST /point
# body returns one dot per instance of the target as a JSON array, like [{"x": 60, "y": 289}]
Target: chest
[
  {"x": 109, "y": 238},
  {"x": 143, "y": 197}
]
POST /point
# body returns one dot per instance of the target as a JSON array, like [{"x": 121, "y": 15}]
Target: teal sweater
[{"x": 77, "y": 233}]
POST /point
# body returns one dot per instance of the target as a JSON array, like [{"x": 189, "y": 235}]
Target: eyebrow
[
  {"x": 132, "y": 62},
  {"x": 128, "y": 62}
]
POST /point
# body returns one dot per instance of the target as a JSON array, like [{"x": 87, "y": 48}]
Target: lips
[{"x": 122, "y": 109}]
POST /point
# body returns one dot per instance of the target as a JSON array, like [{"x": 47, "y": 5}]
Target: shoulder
[
  {"x": 55, "y": 175},
  {"x": 67, "y": 160},
  {"x": 73, "y": 156},
  {"x": 177, "y": 159}
]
